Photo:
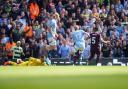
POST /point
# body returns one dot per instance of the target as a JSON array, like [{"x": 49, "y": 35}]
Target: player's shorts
[
  {"x": 52, "y": 41},
  {"x": 80, "y": 47},
  {"x": 95, "y": 50}
]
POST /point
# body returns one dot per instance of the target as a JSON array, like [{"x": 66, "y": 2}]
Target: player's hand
[{"x": 107, "y": 42}]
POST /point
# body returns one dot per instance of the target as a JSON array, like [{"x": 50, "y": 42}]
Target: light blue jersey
[
  {"x": 52, "y": 24},
  {"x": 51, "y": 39},
  {"x": 51, "y": 35},
  {"x": 79, "y": 39}
]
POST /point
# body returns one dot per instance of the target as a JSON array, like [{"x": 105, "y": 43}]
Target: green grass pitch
[{"x": 64, "y": 77}]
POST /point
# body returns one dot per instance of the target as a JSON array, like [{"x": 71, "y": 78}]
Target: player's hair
[{"x": 95, "y": 29}]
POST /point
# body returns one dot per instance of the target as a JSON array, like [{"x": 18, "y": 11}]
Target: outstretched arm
[{"x": 102, "y": 40}]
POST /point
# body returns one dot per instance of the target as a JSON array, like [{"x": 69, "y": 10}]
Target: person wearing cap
[{"x": 17, "y": 51}]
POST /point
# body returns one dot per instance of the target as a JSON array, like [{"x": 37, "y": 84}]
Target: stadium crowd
[{"x": 24, "y": 27}]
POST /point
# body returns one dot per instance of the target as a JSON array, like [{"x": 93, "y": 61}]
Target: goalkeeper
[{"x": 31, "y": 62}]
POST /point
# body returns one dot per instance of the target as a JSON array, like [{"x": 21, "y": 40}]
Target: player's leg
[
  {"x": 10, "y": 63},
  {"x": 80, "y": 57},
  {"x": 48, "y": 48},
  {"x": 98, "y": 59},
  {"x": 80, "y": 49},
  {"x": 76, "y": 56},
  {"x": 47, "y": 60},
  {"x": 72, "y": 54},
  {"x": 92, "y": 54}
]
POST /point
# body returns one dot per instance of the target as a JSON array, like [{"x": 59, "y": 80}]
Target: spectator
[
  {"x": 23, "y": 19},
  {"x": 59, "y": 7},
  {"x": 9, "y": 46},
  {"x": 27, "y": 51},
  {"x": 117, "y": 51},
  {"x": 119, "y": 7},
  {"x": 107, "y": 52},
  {"x": 36, "y": 25},
  {"x": 119, "y": 28},
  {"x": 125, "y": 49},
  {"x": 126, "y": 7},
  {"x": 28, "y": 31},
  {"x": 50, "y": 5},
  {"x": 34, "y": 48},
  {"x": 7, "y": 7},
  {"x": 64, "y": 50},
  {"x": 17, "y": 51},
  {"x": 39, "y": 31},
  {"x": 16, "y": 33},
  {"x": 41, "y": 48},
  {"x": 4, "y": 38},
  {"x": 95, "y": 13}
]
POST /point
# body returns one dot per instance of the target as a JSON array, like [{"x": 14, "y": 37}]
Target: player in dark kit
[{"x": 96, "y": 39}]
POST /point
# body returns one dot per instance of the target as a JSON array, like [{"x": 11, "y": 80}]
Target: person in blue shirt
[
  {"x": 78, "y": 37},
  {"x": 51, "y": 37},
  {"x": 119, "y": 28},
  {"x": 119, "y": 7},
  {"x": 51, "y": 33},
  {"x": 64, "y": 50}
]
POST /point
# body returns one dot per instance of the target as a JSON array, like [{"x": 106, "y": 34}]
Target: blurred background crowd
[{"x": 23, "y": 23}]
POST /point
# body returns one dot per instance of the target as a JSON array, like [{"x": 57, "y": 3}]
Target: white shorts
[
  {"x": 52, "y": 42},
  {"x": 79, "y": 47}
]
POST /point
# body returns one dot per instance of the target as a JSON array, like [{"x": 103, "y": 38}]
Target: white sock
[
  {"x": 99, "y": 64},
  {"x": 109, "y": 64},
  {"x": 123, "y": 64}
]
